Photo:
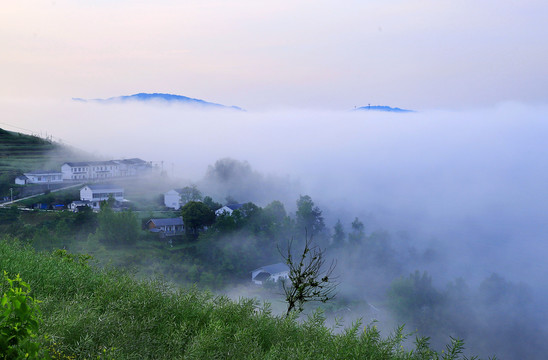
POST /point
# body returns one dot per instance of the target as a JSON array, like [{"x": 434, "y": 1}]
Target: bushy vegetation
[
  {"x": 19, "y": 320},
  {"x": 89, "y": 312}
]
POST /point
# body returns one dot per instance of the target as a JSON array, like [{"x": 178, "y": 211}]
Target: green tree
[
  {"x": 85, "y": 219},
  {"x": 190, "y": 193},
  {"x": 212, "y": 204},
  {"x": 357, "y": 235},
  {"x": 339, "y": 235},
  {"x": 275, "y": 212},
  {"x": 309, "y": 217},
  {"x": 196, "y": 216},
  {"x": 415, "y": 300},
  {"x": 117, "y": 228},
  {"x": 249, "y": 216}
]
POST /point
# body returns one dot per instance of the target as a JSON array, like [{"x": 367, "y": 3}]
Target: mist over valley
[{"x": 458, "y": 196}]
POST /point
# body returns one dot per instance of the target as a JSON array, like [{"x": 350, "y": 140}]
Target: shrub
[{"x": 19, "y": 319}]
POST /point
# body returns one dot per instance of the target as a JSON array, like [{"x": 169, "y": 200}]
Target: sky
[
  {"x": 466, "y": 174},
  {"x": 417, "y": 54}
]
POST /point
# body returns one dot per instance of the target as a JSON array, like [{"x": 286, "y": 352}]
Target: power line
[{"x": 36, "y": 133}]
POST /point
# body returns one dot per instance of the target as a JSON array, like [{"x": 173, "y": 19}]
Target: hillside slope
[
  {"x": 21, "y": 153},
  {"x": 94, "y": 313}
]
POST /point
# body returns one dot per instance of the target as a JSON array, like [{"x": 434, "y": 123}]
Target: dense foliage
[{"x": 103, "y": 313}]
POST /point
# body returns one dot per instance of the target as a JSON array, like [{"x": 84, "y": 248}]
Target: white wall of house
[
  {"x": 75, "y": 172},
  {"x": 103, "y": 169},
  {"x": 66, "y": 171},
  {"x": 100, "y": 194},
  {"x": 224, "y": 209},
  {"x": 43, "y": 177},
  {"x": 20, "y": 180},
  {"x": 172, "y": 199}
]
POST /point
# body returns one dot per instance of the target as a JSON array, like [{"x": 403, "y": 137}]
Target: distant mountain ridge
[
  {"x": 170, "y": 98},
  {"x": 382, "y": 108}
]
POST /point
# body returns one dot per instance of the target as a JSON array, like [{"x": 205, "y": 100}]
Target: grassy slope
[
  {"x": 21, "y": 153},
  {"x": 88, "y": 312}
]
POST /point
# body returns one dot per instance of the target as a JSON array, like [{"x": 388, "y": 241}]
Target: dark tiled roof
[
  {"x": 167, "y": 222},
  {"x": 132, "y": 161},
  {"x": 234, "y": 206},
  {"x": 91, "y": 163},
  {"x": 43, "y": 172},
  {"x": 96, "y": 187}
]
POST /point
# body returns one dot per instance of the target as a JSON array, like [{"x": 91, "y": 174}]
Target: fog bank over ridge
[{"x": 472, "y": 183}]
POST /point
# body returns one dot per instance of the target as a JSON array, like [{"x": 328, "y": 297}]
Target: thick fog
[
  {"x": 469, "y": 185},
  {"x": 472, "y": 181}
]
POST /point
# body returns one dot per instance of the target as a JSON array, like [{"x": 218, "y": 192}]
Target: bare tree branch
[{"x": 309, "y": 280}]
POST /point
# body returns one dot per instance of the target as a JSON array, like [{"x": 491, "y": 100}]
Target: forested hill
[{"x": 162, "y": 98}]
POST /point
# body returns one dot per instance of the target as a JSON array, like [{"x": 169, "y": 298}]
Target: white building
[
  {"x": 41, "y": 177},
  {"x": 272, "y": 272},
  {"x": 101, "y": 192},
  {"x": 172, "y": 199},
  {"x": 89, "y": 170},
  {"x": 21, "y": 180},
  {"x": 97, "y": 170},
  {"x": 228, "y": 209}
]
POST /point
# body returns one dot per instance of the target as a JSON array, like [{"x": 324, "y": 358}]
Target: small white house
[
  {"x": 43, "y": 177},
  {"x": 272, "y": 272},
  {"x": 21, "y": 180},
  {"x": 172, "y": 199},
  {"x": 100, "y": 192},
  {"x": 228, "y": 209}
]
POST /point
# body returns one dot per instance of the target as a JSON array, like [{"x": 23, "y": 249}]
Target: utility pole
[{"x": 11, "y": 191}]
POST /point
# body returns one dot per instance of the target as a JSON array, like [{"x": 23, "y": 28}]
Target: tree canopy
[{"x": 196, "y": 216}]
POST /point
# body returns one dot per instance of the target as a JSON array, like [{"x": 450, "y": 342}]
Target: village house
[
  {"x": 97, "y": 170},
  {"x": 228, "y": 209},
  {"x": 39, "y": 177},
  {"x": 172, "y": 199},
  {"x": 272, "y": 272},
  {"x": 21, "y": 180},
  {"x": 100, "y": 192},
  {"x": 92, "y": 196},
  {"x": 166, "y": 227}
]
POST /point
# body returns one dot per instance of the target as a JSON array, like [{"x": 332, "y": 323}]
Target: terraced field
[{"x": 21, "y": 153}]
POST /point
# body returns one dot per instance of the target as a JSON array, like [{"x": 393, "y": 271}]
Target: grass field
[{"x": 88, "y": 312}]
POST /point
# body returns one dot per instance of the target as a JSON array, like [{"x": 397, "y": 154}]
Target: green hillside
[
  {"x": 21, "y": 153},
  {"x": 105, "y": 314}
]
